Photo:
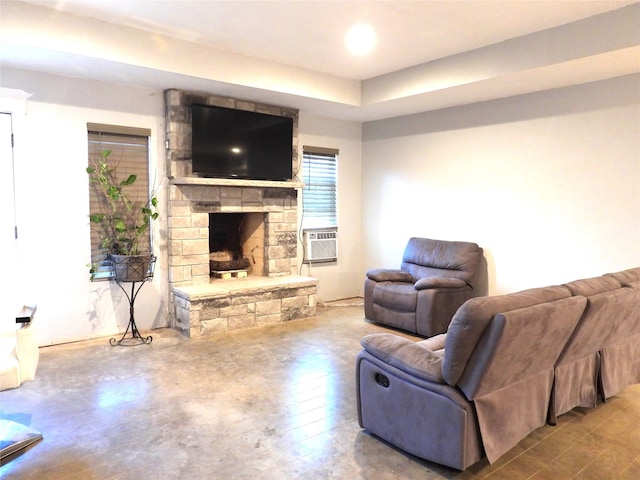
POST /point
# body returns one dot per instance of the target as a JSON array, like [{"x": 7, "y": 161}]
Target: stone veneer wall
[
  {"x": 191, "y": 199},
  {"x": 188, "y": 229},
  {"x": 178, "y": 126}
]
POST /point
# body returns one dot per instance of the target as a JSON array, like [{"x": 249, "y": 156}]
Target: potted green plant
[{"x": 124, "y": 222}]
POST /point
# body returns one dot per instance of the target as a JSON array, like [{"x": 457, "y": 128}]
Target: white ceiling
[{"x": 310, "y": 35}]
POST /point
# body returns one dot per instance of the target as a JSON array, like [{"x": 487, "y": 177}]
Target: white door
[{"x": 8, "y": 248}]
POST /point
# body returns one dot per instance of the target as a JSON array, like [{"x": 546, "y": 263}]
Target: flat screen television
[{"x": 229, "y": 143}]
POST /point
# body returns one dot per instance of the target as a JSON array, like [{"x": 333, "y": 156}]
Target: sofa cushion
[
  {"x": 409, "y": 356},
  {"x": 399, "y": 296},
  {"x": 472, "y": 318},
  {"x": 592, "y": 286},
  {"x": 389, "y": 275},
  {"x": 438, "y": 282},
  {"x": 635, "y": 285},
  {"x": 626, "y": 276}
]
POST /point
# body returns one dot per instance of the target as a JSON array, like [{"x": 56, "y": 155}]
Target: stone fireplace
[{"x": 261, "y": 215}]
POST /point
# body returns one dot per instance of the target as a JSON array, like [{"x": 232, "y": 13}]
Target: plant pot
[{"x": 133, "y": 268}]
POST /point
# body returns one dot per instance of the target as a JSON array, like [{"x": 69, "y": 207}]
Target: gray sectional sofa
[{"x": 507, "y": 365}]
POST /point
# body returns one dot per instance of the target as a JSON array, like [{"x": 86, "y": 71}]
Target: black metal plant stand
[{"x": 135, "y": 338}]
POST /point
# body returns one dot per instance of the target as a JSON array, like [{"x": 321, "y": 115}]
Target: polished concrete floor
[{"x": 271, "y": 403}]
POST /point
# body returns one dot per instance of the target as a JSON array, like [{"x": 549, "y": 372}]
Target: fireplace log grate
[{"x": 229, "y": 273}]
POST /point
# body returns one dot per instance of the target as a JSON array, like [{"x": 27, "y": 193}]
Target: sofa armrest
[
  {"x": 439, "y": 282},
  {"x": 434, "y": 343},
  {"x": 389, "y": 275},
  {"x": 406, "y": 355}
]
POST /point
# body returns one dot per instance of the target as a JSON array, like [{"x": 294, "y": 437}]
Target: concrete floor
[{"x": 270, "y": 403}]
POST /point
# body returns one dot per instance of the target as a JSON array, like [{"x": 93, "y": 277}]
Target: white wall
[
  {"x": 343, "y": 278},
  {"x": 547, "y": 183},
  {"x": 12, "y": 112},
  {"x": 52, "y": 200},
  {"x": 53, "y": 205}
]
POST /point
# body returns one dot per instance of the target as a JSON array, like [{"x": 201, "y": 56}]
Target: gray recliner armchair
[{"x": 434, "y": 279}]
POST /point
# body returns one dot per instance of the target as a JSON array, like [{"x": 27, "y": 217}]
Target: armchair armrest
[
  {"x": 389, "y": 275},
  {"x": 439, "y": 282},
  {"x": 406, "y": 355}
]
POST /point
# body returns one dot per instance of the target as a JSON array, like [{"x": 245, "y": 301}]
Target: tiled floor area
[{"x": 271, "y": 403}]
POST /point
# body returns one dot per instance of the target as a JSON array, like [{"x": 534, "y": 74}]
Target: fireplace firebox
[{"x": 236, "y": 243}]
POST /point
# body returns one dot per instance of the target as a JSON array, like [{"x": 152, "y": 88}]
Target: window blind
[
  {"x": 319, "y": 195},
  {"x": 130, "y": 153}
]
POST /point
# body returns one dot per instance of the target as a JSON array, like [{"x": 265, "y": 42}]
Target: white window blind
[
  {"x": 319, "y": 196},
  {"x": 130, "y": 151}
]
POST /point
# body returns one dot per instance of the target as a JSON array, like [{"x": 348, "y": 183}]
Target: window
[
  {"x": 319, "y": 196},
  {"x": 130, "y": 149}
]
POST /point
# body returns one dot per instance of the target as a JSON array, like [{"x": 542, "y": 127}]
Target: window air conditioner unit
[{"x": 320, "y": 246}]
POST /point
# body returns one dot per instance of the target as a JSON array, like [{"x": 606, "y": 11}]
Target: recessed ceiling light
[{"x": 360, "y": 39}]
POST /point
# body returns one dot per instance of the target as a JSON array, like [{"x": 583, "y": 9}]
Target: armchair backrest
[{"x": 424, "y": 257}]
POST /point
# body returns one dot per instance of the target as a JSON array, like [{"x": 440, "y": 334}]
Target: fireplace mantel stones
[{"x": 271, "y": 184}]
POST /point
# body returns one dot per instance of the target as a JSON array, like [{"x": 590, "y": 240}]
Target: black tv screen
[{"x": 229, "y": 143}]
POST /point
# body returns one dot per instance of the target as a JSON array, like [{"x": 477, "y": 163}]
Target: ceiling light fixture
[{"x": 360, "y": 39}]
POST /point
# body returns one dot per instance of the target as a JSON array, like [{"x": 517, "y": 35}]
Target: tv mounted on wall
[{"x": 229, "y": 143}]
